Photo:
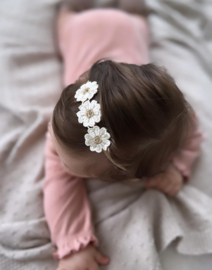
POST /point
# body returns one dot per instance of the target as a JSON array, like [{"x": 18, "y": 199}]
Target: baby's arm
[
  {"x": 179, "y": 169},
  {"x": 66, "y": 206}
]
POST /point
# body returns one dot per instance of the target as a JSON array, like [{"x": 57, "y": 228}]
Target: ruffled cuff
[{"x": 74, "y": 244}]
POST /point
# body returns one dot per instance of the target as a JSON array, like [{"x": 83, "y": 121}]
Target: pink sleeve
[
  {"x": 185, "y": 157},
  {"x": 66, "y": 206}
]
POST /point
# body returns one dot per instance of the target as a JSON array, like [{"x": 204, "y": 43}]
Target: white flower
[
  {"x": 97, "y": 138},
  {"x": 86, "y": 91},
  {"x": 89, "y": 113}
]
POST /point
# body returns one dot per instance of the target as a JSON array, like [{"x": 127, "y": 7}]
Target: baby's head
[{"x": 142, "y": 109}]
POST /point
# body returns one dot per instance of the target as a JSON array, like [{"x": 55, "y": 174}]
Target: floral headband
[{"x": 89, "y": 114}]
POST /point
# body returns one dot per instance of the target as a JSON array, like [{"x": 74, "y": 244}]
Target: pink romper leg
[{"x": 96, "y": 34}]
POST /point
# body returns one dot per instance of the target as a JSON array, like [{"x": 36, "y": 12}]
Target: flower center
[
  {"x": 89, "y": 113},
  {"x": 86, "y": 90},
  {"x": 97, "y": 140}
]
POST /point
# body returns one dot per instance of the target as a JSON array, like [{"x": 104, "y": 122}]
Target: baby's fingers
[
  {"x": 100, "y": 259},
  {"x": 176, "y": 188},
  {"x": 171, "y": 191}
]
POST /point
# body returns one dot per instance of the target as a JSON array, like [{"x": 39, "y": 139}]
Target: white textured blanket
[{"x": 133, "y": 225}]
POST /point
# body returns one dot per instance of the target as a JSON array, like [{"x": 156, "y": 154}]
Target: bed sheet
[{"x": 30, "y": 85}]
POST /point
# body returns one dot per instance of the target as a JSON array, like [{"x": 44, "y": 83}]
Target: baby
[{"x": 118, "y": 119}]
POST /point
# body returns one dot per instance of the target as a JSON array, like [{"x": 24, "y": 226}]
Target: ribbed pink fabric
[{"x": 86, "y": 38}]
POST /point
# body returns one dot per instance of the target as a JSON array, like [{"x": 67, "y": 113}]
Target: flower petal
[
  {"x": 91, "y": 132},
  {"x": 106, "y": 136},
  {"x": 88, "y": 143},
  {"x": 92, "y": 148},
  {"x": 82, "y": 119},
  {"x": 79, "y": 113},
  {"x": 96, "y": 130},
  {"x": 91, "y": 122},
  {"x": 85, "y": 123},
  {"x": 98, "y": 148},
  {"x": 96, "y": 118},
  {"x": 88, "y": 137},
  {"x": 102, "y": 131}
]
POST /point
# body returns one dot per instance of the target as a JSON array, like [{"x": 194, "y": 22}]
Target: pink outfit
[{"x": 84, "y": 39}]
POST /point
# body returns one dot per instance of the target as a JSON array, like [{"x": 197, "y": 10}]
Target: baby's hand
[
  {"x": 169, "y": 182},
  {"x": 88, "y": 258}
]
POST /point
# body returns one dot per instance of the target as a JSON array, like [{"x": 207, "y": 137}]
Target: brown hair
[{"x": 142, "y": 108}]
